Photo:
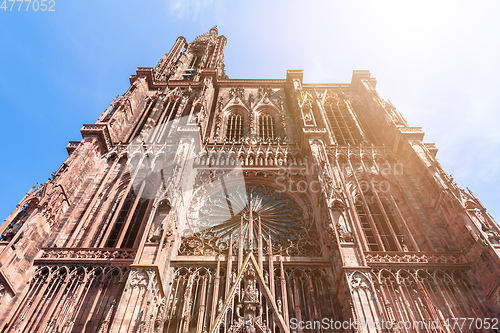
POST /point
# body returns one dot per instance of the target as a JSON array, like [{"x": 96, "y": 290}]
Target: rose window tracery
[{"x": 250, "y": 215}]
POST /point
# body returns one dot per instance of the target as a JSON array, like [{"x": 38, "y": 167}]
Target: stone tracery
[{"x": 254, "y": 213}]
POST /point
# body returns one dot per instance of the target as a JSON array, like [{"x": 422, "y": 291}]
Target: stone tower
[{"x": 198, "y": 203}]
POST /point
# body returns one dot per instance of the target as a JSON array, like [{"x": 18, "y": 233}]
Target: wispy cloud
[{"x": 189, "y": 9}]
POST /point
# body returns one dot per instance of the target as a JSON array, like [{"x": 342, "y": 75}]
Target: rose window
[{"x": 250, "y": 215}]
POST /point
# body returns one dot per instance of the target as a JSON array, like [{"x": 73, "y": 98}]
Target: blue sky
[{"x": 437, "y": 61}]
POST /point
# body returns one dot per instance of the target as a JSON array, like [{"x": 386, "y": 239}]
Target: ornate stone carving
[
  {"x": 415, "y": 258},
  {"x": 82, "y": 253},
  {"x": 140, "y": 278},
  {"x": 359, "y": 280},
  {"x": 249, "y": 310}
]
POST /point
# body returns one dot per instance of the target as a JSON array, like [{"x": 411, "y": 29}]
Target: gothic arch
[
  {"x": 380, "y": 222},
  {"x": 235, "y": 123},
  {"x": 342, "y": 122},
  {"x": 268, "y": 123}
]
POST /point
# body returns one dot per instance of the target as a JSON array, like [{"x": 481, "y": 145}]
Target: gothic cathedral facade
[{"x": 198, "y": 203}]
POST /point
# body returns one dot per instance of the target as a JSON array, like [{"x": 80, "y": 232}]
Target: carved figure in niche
[
  {"x": 359, "y": 281},
  {"x": 403, "y": 245},
  {"x": 296, "y": 84},
  {"x": 250, "y": 294},
  {"x": 280, "y": 104},
  {"x": 159, "y": 315},
  {"x": 249, "y": 326},
  {"x": 199, "y": 117},
  {"x": 308, "y": 119},
  {"x": 493, "y": 236},
  {"x": 207, "y": 82},
  {"x": 345, "y": 236},
  {"x": 221, "y": 103},
  {"x": 159, "y": 222},
  {"x": 250, "y": 303},
  {"x": 221, "y": 305},
  {"x": 2, "y": 292}
]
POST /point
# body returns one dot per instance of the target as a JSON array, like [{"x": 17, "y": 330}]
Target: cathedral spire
[{"x": 186, "y": 61}]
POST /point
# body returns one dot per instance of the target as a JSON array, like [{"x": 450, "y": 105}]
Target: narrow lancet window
[
  {"x": 267, "y": 128},
  {"x": 342, "y": 123},
  {"x": 235, "y": 127}
]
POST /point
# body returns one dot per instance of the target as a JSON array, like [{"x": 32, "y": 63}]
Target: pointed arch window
[
  {"x": 127, "y": 222},
  {"x": 267, "y": 127},
  {"x": 342, "y": 123},
  {"x": 379, "y": 224},
  {"x": 235, "y": 127}
]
